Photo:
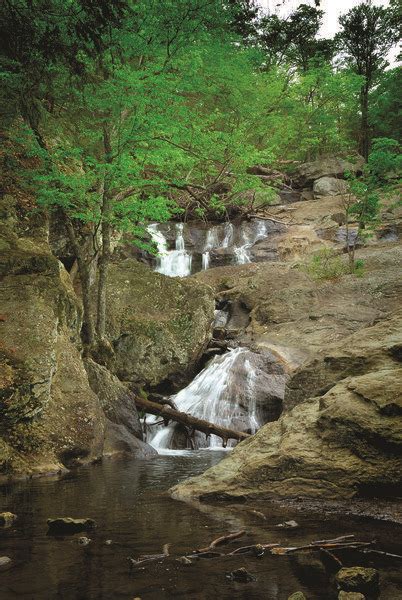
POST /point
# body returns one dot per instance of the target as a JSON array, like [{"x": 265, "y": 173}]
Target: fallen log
[{"x": 170, "y": 414}]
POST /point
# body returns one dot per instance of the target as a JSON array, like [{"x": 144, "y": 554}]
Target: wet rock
[
  {"x": 7, "y": 519},
  {"x": 68, "y": 525},
  {"x": 241, "y": 575},
  {"x": 358, "y": 579},
  {"x": 297, "y": 596},
  {"x": 329, "y": 186},
  {"x": 120, "y": 441},
  {"x": 117, "y": 401},
  {"x": 289, "y": 524},
  {"x": 350, "y": 596},
  {"x": 4, "y": 561}
]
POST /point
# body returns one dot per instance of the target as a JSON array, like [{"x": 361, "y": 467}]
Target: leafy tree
[
  {"x": 362, "y": 204},
  {"x": 367, "y": 34},
  {"x": 150, "y": 112},
  {"x": 293, "y": 40},
  {"x": 385, "y": 107}
]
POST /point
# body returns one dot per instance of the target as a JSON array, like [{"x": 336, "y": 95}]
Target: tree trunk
[
  {"x": 104, "y": 260},
  {"x": 364, "y": 128},
  {"x": 88, "y": 330}
]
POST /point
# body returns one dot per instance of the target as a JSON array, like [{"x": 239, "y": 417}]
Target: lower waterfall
[{"x": 221, "y": 393}]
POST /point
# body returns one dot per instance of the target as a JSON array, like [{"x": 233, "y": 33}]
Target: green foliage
[
  {"x": 326, "y": 264},
  {"x": 385, "y": 113}
]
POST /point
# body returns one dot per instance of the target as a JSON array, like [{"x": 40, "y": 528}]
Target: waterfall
[
  {"x": 211, "y": 242},
  {"x": 233, "y": 242},
  {"x": 221, "y": 394},
  {"x": 205, "y": 260},
  {"x": 174, "y": 263},
  {"x": 227, "y": 240}
]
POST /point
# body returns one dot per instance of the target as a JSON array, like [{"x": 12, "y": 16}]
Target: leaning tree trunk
[{"x": 103, "y": 266}]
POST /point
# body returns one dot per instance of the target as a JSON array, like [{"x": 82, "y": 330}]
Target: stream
[{"x": 129, "y": 503}]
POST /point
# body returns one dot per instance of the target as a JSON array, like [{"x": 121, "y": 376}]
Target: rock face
[
  {"x": 339, "y": 341},
  {"x": 50, "y": 417},
  {"x": 123, "y": 431},
  {"x": 158, "y": 325}
]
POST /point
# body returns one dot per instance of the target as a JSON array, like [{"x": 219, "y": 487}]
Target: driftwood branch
[
  {"x": 224, "y": 539},
  {"x": 325, "y": 547},
  {"x": 266, "y": 218},
  {"x": 170, "y": 414}
]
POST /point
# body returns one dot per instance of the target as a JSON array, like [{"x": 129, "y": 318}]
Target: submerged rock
[
  {"x": 289, "y": 524},
  {"x": 241, "y": 575},
  {"x": 350, "y": 596},
  {"x": 68, "y": 525},
  {"x": 84, "y": 541},
  {"x": 297, "y": 596},
  {"x": 4, "y": 561},
  {"x": 358, "y": 579},
  {"x": 7, "y": 519}
]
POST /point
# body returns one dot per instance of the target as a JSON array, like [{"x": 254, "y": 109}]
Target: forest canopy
[{"x": 133, "y": 110}]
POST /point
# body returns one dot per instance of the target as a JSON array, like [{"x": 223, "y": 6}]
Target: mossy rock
[
  {"x": 158, "y": 325},
  {"x": 358, "y": 579}
]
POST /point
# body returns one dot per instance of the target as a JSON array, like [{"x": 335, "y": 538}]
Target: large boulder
[
  {"x": 123, "y": 430},
  {"x": 332, "y": 166},
  {"x": 158, "y": 325},
  {"x": 338, "y": 444},
  {"x": 329, "y": 186}
]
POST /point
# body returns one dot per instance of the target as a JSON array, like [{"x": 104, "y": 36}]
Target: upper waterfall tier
[{"x": 184, "y": 249}]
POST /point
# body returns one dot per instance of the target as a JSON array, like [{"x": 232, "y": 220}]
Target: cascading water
[
  {"x": 234, "y": 241},
  {"x": 242, "y": 252},
  {"x": 174, "y": 263},
  {"x": 211, "y": 242},
  {"x": 227, "y": 240},
  {"x": 221, "y": 394}
]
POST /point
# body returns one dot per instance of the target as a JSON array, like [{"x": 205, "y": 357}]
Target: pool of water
[{"x": 128, "y": 501}]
